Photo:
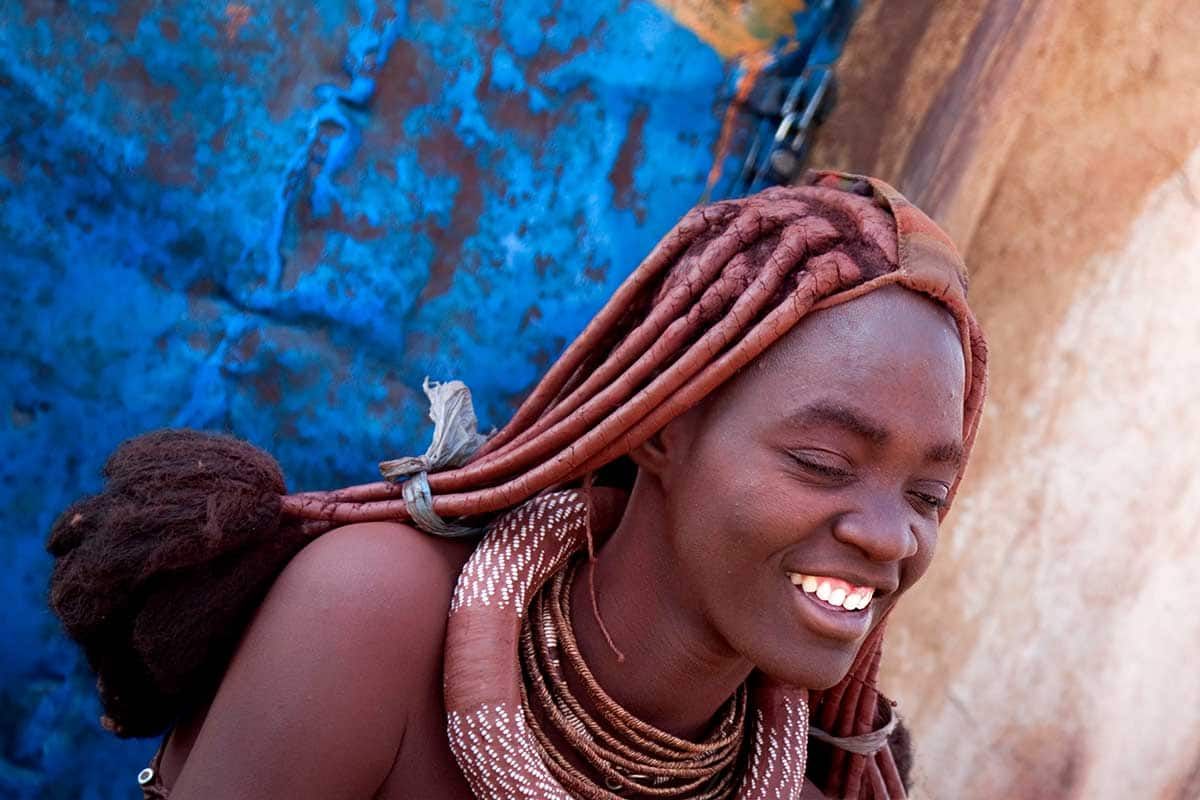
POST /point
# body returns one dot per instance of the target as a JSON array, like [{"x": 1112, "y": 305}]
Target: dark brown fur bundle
[{"x": 157, "y": 576}]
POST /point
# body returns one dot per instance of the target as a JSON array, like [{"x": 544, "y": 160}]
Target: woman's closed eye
[
  {"x": 824, "y": 464},
  {"x": 930, "y": 500}
]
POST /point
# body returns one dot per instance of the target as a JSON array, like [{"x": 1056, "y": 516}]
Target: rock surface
[{"x": 1051, "y": 651}]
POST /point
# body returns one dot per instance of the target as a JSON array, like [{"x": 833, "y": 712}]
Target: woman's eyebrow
[
  {"x": 841, "y": 416},
  {"x": 946, "y": 453}
]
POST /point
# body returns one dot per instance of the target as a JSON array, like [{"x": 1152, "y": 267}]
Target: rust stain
[
  {"x": 401, "y": 85},
  {"x": 266, "y": 387},
  {"x": 443, "y": 152},
  {"x": 511, "y": 112},
  {"x": 236, "y": 17},
  {"x": 313, "y": 235},
  {"x": 308, "y": 57},
  {"x": 596, "y": 273},
  {"x": 217, "y": 140},
  {"x": 248, "y": 346},
  {"x": 531, "y": 315},
  {"x": 173, "y": 163},
  {"x": 387, "y": 169},
  {"x": 201, "y": 307},
  {"x": 303, "y": 259},
  {"x": 128, "y": 18},
  {"x": 11, "y": 167},
  {"x": 548, "y": 58},
  {"x": 199, "y": 341},
  {"x": 751, "y": 66},
  {"x": 38, "y": 9},
  {"x": 135, "y": 79},
  {"x": 622, "y": 174}
]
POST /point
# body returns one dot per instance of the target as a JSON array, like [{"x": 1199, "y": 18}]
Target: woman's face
[{"x": 803, "y": 498}]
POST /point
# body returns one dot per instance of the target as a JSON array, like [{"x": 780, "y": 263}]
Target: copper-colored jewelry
[{"x": 633, "y": 758}]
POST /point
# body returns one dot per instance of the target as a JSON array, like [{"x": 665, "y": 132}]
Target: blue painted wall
[{"x": 275, "y": 220}]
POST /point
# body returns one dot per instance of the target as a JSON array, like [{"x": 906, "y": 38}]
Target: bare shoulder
[
  {"x": 378, "y": 567},
  {"x": 317, "y": 697},
  {"x": 385, "y": 584}
]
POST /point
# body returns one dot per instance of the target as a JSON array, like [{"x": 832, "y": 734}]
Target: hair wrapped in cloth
[{"x": 727, "y": 282}]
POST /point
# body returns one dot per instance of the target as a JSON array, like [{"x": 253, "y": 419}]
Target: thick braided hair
[{"x": 157, "y": 576}]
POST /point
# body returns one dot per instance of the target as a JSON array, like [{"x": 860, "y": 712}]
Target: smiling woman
[{"x": 762, "y": 431}]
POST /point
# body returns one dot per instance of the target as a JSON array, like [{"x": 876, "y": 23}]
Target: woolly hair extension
[
  {"x": 728, "y": 281},
  {"x": 156, "y": 577}
]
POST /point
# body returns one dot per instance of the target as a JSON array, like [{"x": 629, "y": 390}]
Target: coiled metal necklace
[{"x": 632, "y": 757}]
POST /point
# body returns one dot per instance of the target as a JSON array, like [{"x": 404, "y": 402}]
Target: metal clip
[
  {"x": 791, "y": 98},
  {"x": 807, "y": 105}
]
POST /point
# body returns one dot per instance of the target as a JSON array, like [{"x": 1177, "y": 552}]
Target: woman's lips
[{"x": 825, "y": 618}]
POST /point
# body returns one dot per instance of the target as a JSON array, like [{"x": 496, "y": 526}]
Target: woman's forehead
[
  {"x": 889, "y": 323},
  {"x": 892, "y": 349}
]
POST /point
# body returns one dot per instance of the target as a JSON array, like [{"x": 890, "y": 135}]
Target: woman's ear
[
  {"x": 666, "y": 448},
  {"x": 651, "y": 455}
]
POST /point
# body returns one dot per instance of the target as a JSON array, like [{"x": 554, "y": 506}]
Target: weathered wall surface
[
  {"x": 1052, "y": 651},
  {"x": 275, "y": 218}
]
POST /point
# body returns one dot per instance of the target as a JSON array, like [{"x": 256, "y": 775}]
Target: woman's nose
[{"x": 882, "y": 530}]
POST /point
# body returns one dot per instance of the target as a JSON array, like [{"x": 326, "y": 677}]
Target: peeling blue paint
[{"x": 276, "y": 225}]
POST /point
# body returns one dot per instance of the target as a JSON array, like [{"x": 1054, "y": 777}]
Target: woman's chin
[{"x": 815, "y": 672}]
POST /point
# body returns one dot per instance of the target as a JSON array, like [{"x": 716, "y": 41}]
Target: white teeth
[
  {"x": 853, "y": 599},
  {"x": 862, "y": 599}
]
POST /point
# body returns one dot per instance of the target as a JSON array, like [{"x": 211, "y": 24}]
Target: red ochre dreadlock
[{"x": 187, "y": 516}]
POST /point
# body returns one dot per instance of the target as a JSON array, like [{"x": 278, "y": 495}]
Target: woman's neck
[{"x": 677, "y": 673}]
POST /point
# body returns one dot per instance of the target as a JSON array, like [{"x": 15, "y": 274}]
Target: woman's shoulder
[
  {"x": 381, "y": 564},
  {"x": 383, "y": 587},
  {"x": 339, "y": 656},
  {"x": 376, "y": 574}
]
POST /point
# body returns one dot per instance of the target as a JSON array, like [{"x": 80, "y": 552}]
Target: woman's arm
[{"x": 314, "y": 702}]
